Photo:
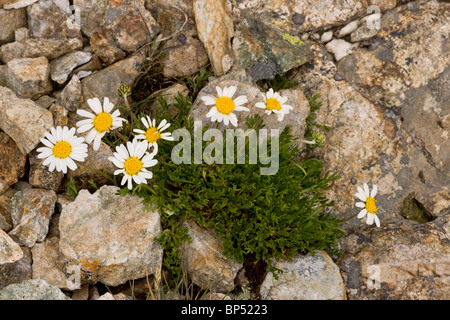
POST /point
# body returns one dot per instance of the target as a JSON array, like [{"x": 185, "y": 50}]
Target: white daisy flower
[
  {"x": 133, "y": 161},
  {"x": 274, "y": 103},
  {"x": 152, "y": 133},
  {"x": 224, "y": 105},
  {"x": 62, "y": 147},
  {"x": 99, "y": 123},
  {"x": 368, "y": 204}
]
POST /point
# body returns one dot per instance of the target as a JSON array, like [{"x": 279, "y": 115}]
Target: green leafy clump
[{"x": 265, "y": 216}]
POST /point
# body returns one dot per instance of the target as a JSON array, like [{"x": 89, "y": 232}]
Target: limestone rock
[
  {"x": 45, "y": 255},
  {"x": 23, "y": 120},
  {"x": 349, "y": 28},
  {"x": 6, "y": 222},
  {"x": 204, "y": 261},
  {"x": 29, "y": 77},
  {"x": 110, "y": 238},
  {"x": 60, "y": 114},
  {"x": 215, "y": 30},
  {"x": 17, "y": 271},
  {"x": 265, "y": 51},
  {"x": 12, "y": 162},
  {"x": 92, "y": 14},
  {"x": 63, "y": 66},
  {"x": 399, "y": 261},
  {"x": 35, "y": 289},
  {"x": 15, "y": 4},
  {"x": 340, "y": 48},
  {"x": 33, "y": 48},
  {"x": 51, "y": 19},
  {"x": 369, "y": 144},
  {"x": 106, "y": 82},
  {"x": 105, "y": 48},
  {"x": 185, "y": 57},
  {"x": 298, "y": 16},
  {"x": 129, "y": 24},
  {"x": 31, "y": 211},
  {"x": 305, "y": 278},
  {"x": 11, "y": 21},
  {"x": 71, "y": 96},
  {"x": 408, "y": 75},
  {"x": 9, "y": 250}
]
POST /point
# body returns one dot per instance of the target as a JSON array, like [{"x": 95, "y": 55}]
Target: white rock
[
  {"x": 326, "y": 36},
  {"x": 305, "y": 278},
  {"x": 349, "y": 28},
  {"x": 9, "y": 250},
  {"x": 340, "y": 48},
  {"x": 19, "y": 4}
]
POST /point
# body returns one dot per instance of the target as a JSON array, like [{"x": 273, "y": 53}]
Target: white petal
[
  {"x": 116, "y": 162},
  {"x": 97, "y": 141},
  {"x": 362, "y": 213},
  {"x": 374, "y": 191},
  {"x": 225, "y": 92},
  {"x": 52, "y": 166},
  {"x": 145, "y": 122},
  {"x": 219, "y": 92},
  {"x": 240, "y": 100},
  {"x": 241, "y": 109},
  {"x": 226, "y": 120},
  {"x": 370, "y": 219},
  {"x": 361, "y": 196},
  {"x": 85, "y": 128},
  {"x": 85, "y": 113},
  {"x": 95, "y": 105},
  {"x": 71, "y": 164},
  {"x": 366, "y": 190},
  {"x": 130, "y": 183},
  {"x": 124, "y": 179},
  {"x": 107, "y": 105},
  {"x": 360, "y": 205},
  {"x": 59, "y": 133},
  {"x": 47, "y": 143},
  {"x": 136, "y": 179},
  {"x": 270, "y": 93},
  {"x": 377, "y": 220},
  {"x": 49, "y": 160},
  {"x": 233, "y": 119},
  {"x": 261, "y": 105},
  {"x": 209, "y": 101},
  {"x": 231, "y": 91},
  {"x": 91, "y": 136}
]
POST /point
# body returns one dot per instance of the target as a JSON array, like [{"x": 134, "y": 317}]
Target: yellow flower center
[
  {"x": 273, "y": 104},
  {"x": 225, "y": 105},
  {"x": 103, "y": 122},
  {"x": 62, "y": 149},
  {"x": 152, "y": 135},
  {"x": 370, "y": 205},
  {"x": 132, "y": 165}
]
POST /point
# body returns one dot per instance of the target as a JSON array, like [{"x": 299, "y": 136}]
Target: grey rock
[
  {"x": 29, "y": 77},
  {"x": 11, "y": 21},
  {"x": 16, "y": 4},
  {"x": 50, "y": 19},
  {"x": 92, "y": 14},
  {"x": 109, "y": 238},
  {"x": 18, "y": 271},
  {"x": 71, "y": 96},
  {"x": 23, "y": 120},
  {"x": 305, "y": 278},
  {"x": 9, "y": 250},
  {"x": 50, "y": 48},
  {"x": 21, "y": 33},
  {"x": 12, "y": 162},
  {"x": 261, "y": 49},
  {"x": 39, "y": 176},
  {"x": 35, "y": 289},
  {"x": 63, "y": 66},
  {"x": 31, "y": 211},
  {"x": 340, "y": 48},
  {"x": 204, "y": 261},
  {"x": 45, "y": 256}
]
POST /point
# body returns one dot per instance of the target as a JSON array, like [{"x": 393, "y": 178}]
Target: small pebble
[{"x": 298, "y": 18}]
